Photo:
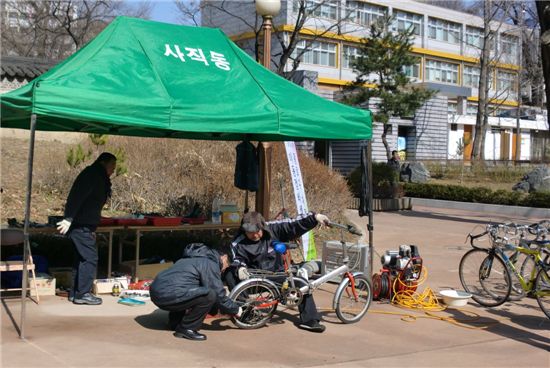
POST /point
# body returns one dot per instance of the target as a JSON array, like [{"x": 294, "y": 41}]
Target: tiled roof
[{"x": 24, "y": 67}]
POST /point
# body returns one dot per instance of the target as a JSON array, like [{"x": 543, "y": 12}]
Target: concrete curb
[{"x": 483, "y": 207}]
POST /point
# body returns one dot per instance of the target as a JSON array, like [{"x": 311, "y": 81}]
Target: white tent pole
[{"x": 27, "y": 244}]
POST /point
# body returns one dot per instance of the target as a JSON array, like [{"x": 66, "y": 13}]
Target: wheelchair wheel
[
  {"x": 258, "y": 299},
  {"x": 350, "y": 309}
]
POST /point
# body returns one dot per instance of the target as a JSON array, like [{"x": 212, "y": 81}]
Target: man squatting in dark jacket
[
  {"x": 191, "y": 288},
  {"x": 252, "y": 248},
  {"x": 88, "y": 195}
]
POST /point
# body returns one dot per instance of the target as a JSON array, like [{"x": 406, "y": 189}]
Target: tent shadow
[
  {"x": 442, "y": 216},
  {"x": 523, "y": 335}
]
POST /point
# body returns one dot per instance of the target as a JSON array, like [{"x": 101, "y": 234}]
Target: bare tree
[
  {"x": 56, "y": 29},
  {"x": 494, "y": 14},
  {"x": 543, "y": 11},
  {"x": 190, "y": 11},
  {"x": 287, "y": 60},
  {"x": 524, "y": 16}
]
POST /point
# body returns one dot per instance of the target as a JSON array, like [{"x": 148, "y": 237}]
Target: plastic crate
[
  {"x": 194, "y": 220},
  {"x": 107, "y": 221},
  {"x": 164, "y": 221},
  {"x": 131, "y": 221}
]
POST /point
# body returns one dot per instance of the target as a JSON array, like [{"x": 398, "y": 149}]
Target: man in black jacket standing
[
  {"x": 191, "y": 288},
  {"x": 88, "y": 195},
  {"x": 253, "y": 248}
]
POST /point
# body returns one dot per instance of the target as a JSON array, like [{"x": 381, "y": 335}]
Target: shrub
[
  {"x": 480, "y": 195},
  {"x": 169, "y": 176},
  {"x": 383, "y": 177},
  {"x": 537, "y": 199}
]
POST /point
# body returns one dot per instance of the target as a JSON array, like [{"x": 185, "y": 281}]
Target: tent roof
[{"x": 145, "y": 78}]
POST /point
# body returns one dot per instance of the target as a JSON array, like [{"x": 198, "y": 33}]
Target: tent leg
[
  {"x": 26, "y": 245},
  {"x": 370, "y": 225},
  {"x": 263, "y": 194}
]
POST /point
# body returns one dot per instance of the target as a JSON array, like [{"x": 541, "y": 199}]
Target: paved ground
[{"x": 59, "y": 334}]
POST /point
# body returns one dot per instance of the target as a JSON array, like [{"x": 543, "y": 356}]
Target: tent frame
[{"x": 26, "y": 246}]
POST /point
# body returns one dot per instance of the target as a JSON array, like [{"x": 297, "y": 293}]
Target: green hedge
[
  {"x": 382, "y": 175},
  {"x": 478, "y": 195}
]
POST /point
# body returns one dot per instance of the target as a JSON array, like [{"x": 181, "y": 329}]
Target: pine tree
[{"x": 382, "y": 60}]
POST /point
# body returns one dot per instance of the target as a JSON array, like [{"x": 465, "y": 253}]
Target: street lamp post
[{"x": 267, "y": 9}]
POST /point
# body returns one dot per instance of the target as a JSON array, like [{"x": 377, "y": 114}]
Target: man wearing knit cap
[{"x": 253, "y": 248}]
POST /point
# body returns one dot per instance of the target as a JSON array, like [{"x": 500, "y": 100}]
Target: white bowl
[{"x": 455, "y": 298}]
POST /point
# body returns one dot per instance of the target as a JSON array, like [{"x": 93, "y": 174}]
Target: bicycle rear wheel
[
  {"x": 542, "y": 290},
  {"x": 258, "y": 300},
  {"x": 348, "y": 308},
  {"x": 485, "y": 276}
]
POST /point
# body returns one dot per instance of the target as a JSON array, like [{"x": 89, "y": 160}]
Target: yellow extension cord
[{"x": 428, "y": 302}]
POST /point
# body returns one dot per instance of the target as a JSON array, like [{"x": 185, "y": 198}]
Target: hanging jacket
[
  {"x": 260, "y": 254},
  {"x": 198, "y": 272}
]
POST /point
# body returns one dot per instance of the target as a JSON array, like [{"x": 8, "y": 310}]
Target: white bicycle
[{"x": 260, "y": 295}]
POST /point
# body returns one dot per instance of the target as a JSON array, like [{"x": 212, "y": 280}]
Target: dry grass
[{"x": 165, "y": 176}]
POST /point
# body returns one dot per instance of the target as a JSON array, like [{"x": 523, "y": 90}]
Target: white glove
[
  {"x": 239, "y": 313},
  {"x": 322, "y": 219},
  {"x": 63, "y": 226},
  {"x": 243, "y": 274}
]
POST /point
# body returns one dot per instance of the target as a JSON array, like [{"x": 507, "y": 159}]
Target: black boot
[{"x": 190, "y": 335}]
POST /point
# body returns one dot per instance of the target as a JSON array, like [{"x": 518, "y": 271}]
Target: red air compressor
[{"x": 400, "y": 271}]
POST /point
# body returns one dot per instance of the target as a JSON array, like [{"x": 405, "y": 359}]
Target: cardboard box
[
  {"x": 231, "y": 218},
  {"x": 144, "y": 271},
  {"x": 63, "y": 276},
  {"x": 44, "y": 284},
  {"x": 105, "y": 286}
]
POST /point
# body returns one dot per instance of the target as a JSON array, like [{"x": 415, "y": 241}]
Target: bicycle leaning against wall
[
  {"x": 486, "y": 273},
  {"x": 260, "y": 295}
]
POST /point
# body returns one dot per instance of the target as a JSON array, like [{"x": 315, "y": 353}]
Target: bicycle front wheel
[
  {"x": 485, "y": 276},
  {"x": 258, "y": 300},
  {"x": 524, "y": 264},
  {"x": 351, "y": 306},
  {"x": 542, "y": 290}
]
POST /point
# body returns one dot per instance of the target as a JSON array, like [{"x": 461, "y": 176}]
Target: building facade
[{"x": 447, "y": 45}]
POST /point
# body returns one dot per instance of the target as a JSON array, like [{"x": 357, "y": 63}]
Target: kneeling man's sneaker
[{"x": 313, "y": 326}]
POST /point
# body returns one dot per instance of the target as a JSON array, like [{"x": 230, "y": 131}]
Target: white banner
[{"x": 299, "y": 192}]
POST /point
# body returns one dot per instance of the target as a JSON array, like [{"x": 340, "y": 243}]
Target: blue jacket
[{"x": 192, "y": 276}]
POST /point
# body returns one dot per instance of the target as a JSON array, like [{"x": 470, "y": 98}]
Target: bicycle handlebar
[{"x": 350, "y": 228}]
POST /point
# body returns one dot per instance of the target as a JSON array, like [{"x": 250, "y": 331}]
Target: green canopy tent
[{"x": 151, "y": 79}]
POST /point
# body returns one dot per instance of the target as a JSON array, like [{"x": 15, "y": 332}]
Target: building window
[
  {"x": 317, "y": 52},
  {"x": 474, "y": 36},
  {"x": 364, "y": 13},
  {"x": 349, "y": 54},
  {"x": 471, "y": 108},
  {"x": 440, "y": 71},
  {"x": 412, "y": 71},
  {"x": 470, "y": 76},
  {"x": 452, "y": 107},
  {"x": 319, "y": 8},
  {"x": 506, "y": 82},
  {"x": 404, "y": 21},
  {"x": 508, "y": 48},
  {"x": 443, "y": 30},
  {"x": 454, "y": 127}
]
